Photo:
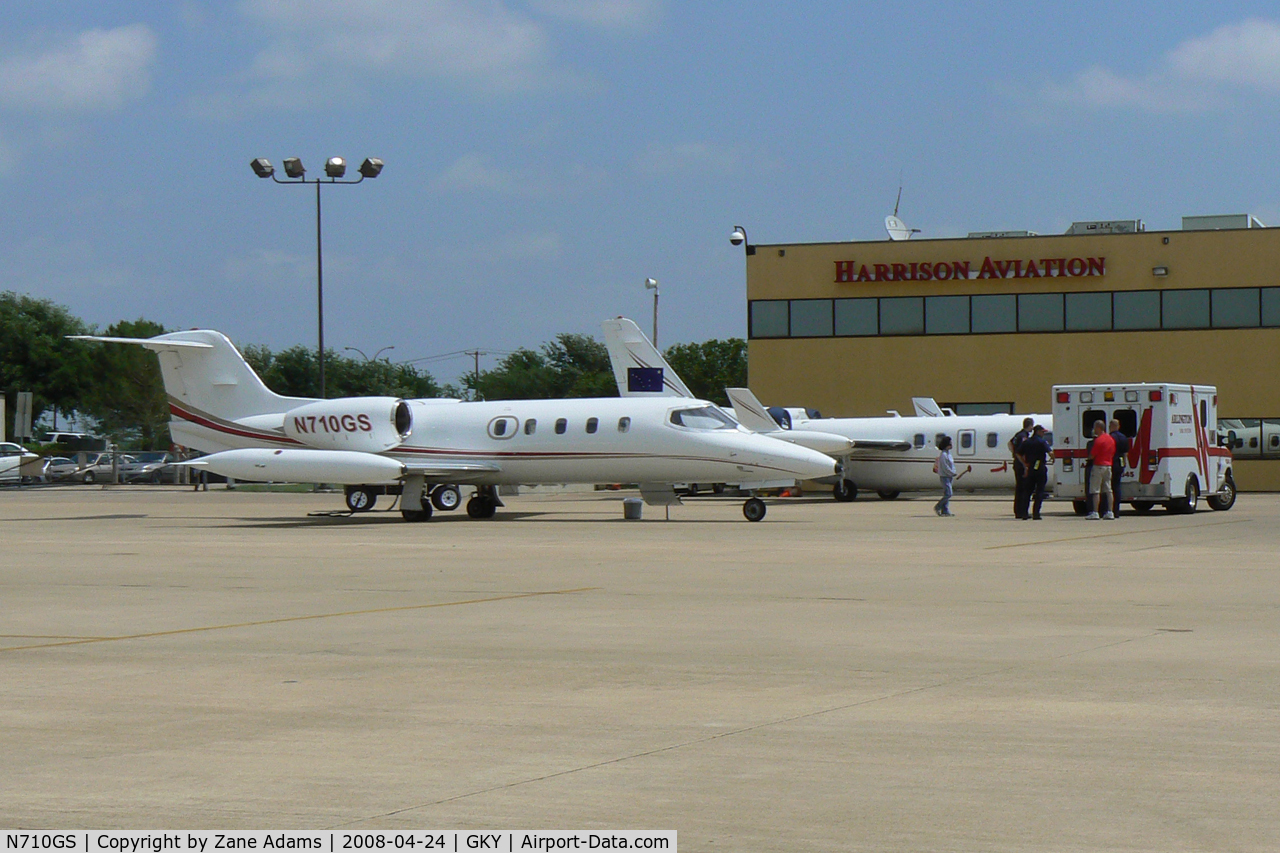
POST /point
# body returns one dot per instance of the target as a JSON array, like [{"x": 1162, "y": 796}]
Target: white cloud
[
  {"x": 485, "y": 45},
  {"x": 473, "y": 172},
  {"x": 94, "y": 71},
  {"x": 1196, "y": 75}
]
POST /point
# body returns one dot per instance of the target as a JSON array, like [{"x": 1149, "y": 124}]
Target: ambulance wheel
[
  {"x": 845, "y": 491},
  {"x": 446, "y": 498},
  {"x": 888, "y": 494},
  {"x": 1188, "y": 504},
  {"x": 753, "y": 509},
  {"x": 423, "y": 514},
  {"x": 1141, "y": 507},
  {"x": 480, "y": 507},
  {"x": 360, "y": 499},
  {"x": 1080, "y": 507},
  {"x": 1226, "y": 498}
]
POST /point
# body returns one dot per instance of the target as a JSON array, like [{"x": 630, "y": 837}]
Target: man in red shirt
[{"x": 1102, "y": 453}]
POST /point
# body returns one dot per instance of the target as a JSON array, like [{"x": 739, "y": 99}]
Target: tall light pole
[
  {"x": 652, "y": 284},
  {"x": 375, "y": 355},
  {"x": 334, "y": 168}
]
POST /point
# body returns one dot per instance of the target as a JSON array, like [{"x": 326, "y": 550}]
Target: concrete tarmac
[{"x": 861, "y": 676}]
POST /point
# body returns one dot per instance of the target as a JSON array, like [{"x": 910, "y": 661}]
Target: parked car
[
  {"x": 59, "y": 468},
  {"x": 148, "y": 467},
  {"x": 99, "y": 466},
  {"x": 11, "y": 458}
]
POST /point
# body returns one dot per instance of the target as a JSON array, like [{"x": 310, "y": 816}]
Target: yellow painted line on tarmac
[
  {"x": 282, "y": 620},
  {"x": 1129, "y": 532}
]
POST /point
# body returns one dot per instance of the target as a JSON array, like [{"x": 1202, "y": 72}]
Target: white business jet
[
  {"x": 889, "y": 455},
  {"x": 220, "y": 406}
]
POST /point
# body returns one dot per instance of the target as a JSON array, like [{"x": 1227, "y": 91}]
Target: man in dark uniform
[
  {"x": 1117, "y": 463},
  {"x": 1035, "y": 458},
  {"x": 1021, "y": 495}
]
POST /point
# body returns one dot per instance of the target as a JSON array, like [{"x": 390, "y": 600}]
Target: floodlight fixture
[
  {"x": 262, "y": 168},
  {"x": 371, "y": 167},
  {"x": 335, "y": 167},
  {"x": 293, "y": 167}
]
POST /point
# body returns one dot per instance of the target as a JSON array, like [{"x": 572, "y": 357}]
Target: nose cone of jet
[{"x": 802, "y": 462}]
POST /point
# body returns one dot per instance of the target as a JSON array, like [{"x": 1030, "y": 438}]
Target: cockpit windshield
[{"x": 703, "y": 417}]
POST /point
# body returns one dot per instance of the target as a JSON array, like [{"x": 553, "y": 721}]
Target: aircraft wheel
[
  {"x": 1141, "y": 507},
  {"x": 1226, "y": 498},
  {"x": 89, "y": 477},
  {"x": 479, "y": 507},
  {"x": 845, "y": 491},
  {"x": 717, "y": 489},
  {"x": 360, "y": 499},
  {"x": 888, "y": 494},
  {"x": 753, "y": 509},
  {"x": 417, "y": 514},
  {"x": 446, "y": 498}
]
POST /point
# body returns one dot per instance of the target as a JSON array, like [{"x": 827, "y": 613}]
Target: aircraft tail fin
[
  {"x": 751, "y": 413},
  {"x": 638, "y": 367},
  {"x": 206, "y": 376},
  {"x": 927, "y": 407}
]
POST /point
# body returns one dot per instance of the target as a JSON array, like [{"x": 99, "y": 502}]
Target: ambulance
[{"x": 1174, "y": 458}]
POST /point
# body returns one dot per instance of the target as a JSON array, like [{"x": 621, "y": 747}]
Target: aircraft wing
[
  {"x": 451, "y": 470},
  {"x": 880, "y": 444}
]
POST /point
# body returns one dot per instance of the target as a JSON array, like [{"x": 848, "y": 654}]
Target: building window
[
  {"x": 1236, "y": 308},
  {"x": 593, "y": 424},
  {"x": 902, "y": 315},
  {"x": 1137, "y": 309},
  {"x": 561, "y": 425},
  {"x": 995, "y": 314},
  {"x": 1088, "y": 312},
  {"x": 946, "y": 315},
  {"x": 810, "y": 318},
  {"x": 857, "y": 317},
  {"x": 1271, "y": 306},
  {"x": 769, "y": 318},
  {"x": 1184, "y": 309},
  {"x": 1040, "y": 312}
]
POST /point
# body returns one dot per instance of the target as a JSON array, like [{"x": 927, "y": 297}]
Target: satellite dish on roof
[{"x": 898, "y": 229}]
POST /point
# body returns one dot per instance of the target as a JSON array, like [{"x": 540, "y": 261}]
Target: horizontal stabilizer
[{"x": 156, "y": 344}]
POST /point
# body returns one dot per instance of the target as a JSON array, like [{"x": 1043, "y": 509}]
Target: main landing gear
[
  {"x": 485, "y": 503},
  {"x": 753, "y": 509}
]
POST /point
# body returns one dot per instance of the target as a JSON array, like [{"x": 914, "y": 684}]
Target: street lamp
[
  {"x": 652, "y": 284},
  {"x": 375, "y": 355},
  {"x": 334, "y": 168}
]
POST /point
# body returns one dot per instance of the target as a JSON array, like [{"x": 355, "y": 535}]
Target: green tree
[
  {"x": 710, "y": 367},
  {"x": 36, "y": 356},
  {"x": 293, "y": 372},
  {"x": 572, "y": 365},
  {"x": 127, "y": 395}
]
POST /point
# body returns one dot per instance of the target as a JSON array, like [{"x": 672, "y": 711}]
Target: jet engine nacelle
[{"x": 369, "y": 424}]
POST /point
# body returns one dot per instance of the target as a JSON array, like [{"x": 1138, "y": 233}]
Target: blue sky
[{"x": 543, "y": 158}]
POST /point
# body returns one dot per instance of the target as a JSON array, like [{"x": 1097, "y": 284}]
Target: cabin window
[
  {"x": 993, "y": 440},
  {"x": 503, "y": 427},
  {"x": 966, "y": 439},
  {"x": 562, "y": 424},
  {"x": 624, "y": 424},
  {"x": 593, "y": 424},
  {"x": 530, "y": 426},
  {"x": 703, "y": 417},
  {"x": 918, "y": 440}
]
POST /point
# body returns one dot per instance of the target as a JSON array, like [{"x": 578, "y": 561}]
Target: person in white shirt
[{"x": 946, "y": 468}]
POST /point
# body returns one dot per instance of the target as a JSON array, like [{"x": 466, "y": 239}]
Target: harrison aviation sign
[{"x": 946, "y": 270}]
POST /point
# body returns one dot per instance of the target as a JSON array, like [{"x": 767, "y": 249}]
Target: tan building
[{"x": 990, "y": 323}]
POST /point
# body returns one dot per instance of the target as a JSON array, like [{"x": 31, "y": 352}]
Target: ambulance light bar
[{"x": 1064, "y": 396}]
